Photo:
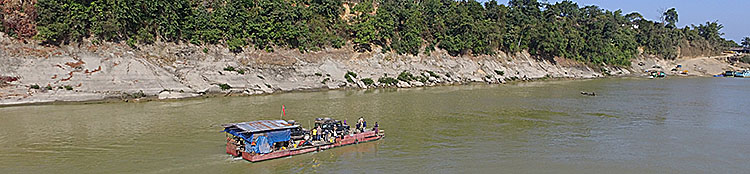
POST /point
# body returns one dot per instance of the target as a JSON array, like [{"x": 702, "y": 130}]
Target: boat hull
[
  {"x": 231, "y": 148},
  {"x": 346, "y": 140}
]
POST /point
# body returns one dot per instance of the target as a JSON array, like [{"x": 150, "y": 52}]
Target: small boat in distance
[
  {"x": 270, "y": 139},
  {"x": 657, "y": 74},
  {"x": 740, "y": 74},
  {"x": 588, "y": 93},
  {"x": 729, "y": 74}
]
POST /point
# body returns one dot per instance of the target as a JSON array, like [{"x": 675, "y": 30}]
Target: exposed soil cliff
[{"x": 86, "y": 71}]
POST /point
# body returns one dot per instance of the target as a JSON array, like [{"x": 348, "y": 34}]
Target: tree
[
  {"x": 546, "y": 30},
  {"x": 634, "y": 16},
  {"x": 746, "y": 41},
  {"x": 711, "y": 31},
  {"x": 671, "y": 17}
]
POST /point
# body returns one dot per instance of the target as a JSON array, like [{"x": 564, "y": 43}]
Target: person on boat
[
  {"x": 315, "y": 133},
  {"x": 364, "y": 125},
  {"x": 375, "y": 128},
  {"x": 335, "y": 128},
  {"x": 359, "y": 124},
  {"x": 320, "y": 130}
]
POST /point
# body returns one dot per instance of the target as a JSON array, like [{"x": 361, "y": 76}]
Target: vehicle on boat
[{"x": 270, "y": 139}]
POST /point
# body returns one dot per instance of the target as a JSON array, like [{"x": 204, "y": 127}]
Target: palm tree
[
  {"x": 671, "y": 17},
  {"x": 746, "y": 42}
]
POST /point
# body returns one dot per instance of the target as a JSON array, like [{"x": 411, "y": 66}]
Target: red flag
[{"x": 283, "y": 111}]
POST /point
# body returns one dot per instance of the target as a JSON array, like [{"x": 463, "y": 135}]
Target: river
[{"x": 674, "y": 125}]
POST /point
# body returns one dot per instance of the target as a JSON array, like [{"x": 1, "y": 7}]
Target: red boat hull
[
  {"x": 232, "y": 149},
  {"x": 346, "y": 140}
]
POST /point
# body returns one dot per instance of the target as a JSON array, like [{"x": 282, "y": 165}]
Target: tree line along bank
[{"x": 563, "y": 29}]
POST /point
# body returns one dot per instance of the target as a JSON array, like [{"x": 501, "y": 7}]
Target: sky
[{"x": 733, "y": 14}]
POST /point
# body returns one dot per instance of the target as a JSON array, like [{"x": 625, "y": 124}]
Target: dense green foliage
[
  {"x": 387, "y": 80},
  {"x": 405, "y": 76},
  {"x": 350, "y": 76},
  {"x": 367, "y": 81},
  {"x": 562, "y": 29},
  {"x": 224, "y": 86}
]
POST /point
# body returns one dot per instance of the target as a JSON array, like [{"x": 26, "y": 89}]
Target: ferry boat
[{"x": 270, "y": 139}]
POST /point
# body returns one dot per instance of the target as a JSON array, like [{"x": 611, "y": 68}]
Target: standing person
[
  {"x": 364, "y": 125},
  {"x": 319, "y": 131},
  {"x": 359, "y": 124},
  {"x": 336, "y": 131},
  {"x": 315, "y": 133},
  {"x": 375, "y": 128}
]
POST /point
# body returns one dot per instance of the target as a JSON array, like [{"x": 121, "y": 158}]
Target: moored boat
[
  {"x": 741, "y": 74},
  {"x": 729, "y": 74},
  {"x": 270, "y": 139},
  {"x": 656, "y": 74}
]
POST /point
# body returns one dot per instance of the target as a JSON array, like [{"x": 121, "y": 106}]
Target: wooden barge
[{"x": 287, "y": 139}]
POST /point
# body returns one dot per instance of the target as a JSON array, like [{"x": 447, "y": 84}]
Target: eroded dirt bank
[{"x": 87, "y": 72}]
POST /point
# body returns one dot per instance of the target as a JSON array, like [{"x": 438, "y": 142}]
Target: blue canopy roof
[{"x": 261, "y": 126}]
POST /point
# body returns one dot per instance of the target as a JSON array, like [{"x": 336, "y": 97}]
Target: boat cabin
[{"x": 260, "y": 137}]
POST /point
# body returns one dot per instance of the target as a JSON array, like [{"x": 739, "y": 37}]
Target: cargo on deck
[{"x": 270, "y": 139}]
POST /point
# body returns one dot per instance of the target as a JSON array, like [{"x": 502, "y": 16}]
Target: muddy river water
[{"x": 674, "y": 125}]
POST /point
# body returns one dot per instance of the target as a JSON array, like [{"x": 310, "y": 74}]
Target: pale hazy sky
[{"x": 733, "y": 14}]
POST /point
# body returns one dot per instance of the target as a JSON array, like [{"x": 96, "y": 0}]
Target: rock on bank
[{"x": 83, "y": 72}]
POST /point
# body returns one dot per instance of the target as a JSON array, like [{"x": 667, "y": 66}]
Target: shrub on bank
[
  {"x": 349, "y": 76},
  {"x": 432, "y": 74},
  {"x": 139, "y": 94},
  {"x": 405, "y": 76},
  {"x": 229, "y": 68},
  {"x": 224, "y": 86},
  {"x": 367, "y": 81},
  {"x": 421, "y": 78},
  {"x": 387, "y": 80},
  {"x": 498, "y": 72}
]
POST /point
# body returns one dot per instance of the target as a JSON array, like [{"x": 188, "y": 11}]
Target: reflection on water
[{"x": 693, "y": 125}]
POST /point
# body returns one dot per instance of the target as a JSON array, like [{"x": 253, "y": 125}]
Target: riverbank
[{"x": 115, "y": 71}]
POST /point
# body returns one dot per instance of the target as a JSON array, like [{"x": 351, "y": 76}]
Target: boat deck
[{"x": 317, "y": 146}]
